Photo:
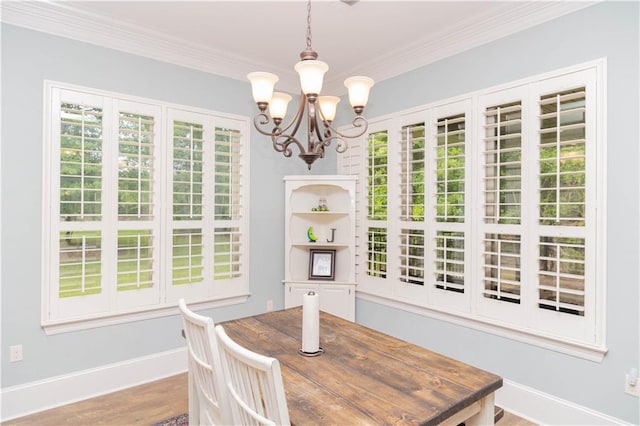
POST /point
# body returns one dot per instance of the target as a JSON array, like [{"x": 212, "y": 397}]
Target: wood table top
[{"x": 364, "y": 376}]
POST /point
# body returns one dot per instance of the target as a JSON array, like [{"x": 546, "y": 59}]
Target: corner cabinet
[{"x": 321, "y": 208}]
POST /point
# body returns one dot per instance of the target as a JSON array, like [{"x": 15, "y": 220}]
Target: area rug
[{"x": 181, "y": 420}]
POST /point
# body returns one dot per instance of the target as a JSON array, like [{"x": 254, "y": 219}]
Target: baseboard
[
  {"x": 22, "y": 400},
  {"x": 544, "y": 409}
]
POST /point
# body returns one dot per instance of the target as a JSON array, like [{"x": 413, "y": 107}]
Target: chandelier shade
[
  {"x": 358, "y": 88},
  {"x": 319, "y": 111},
  {"x": 278, "y": 105},
  {"x": 328, "y": 107},
  {"x": 262, "y": 84},
  {"x": 311, "y": 76}
]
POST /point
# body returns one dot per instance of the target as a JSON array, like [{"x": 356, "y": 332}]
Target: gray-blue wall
[
  {"x": 28, "y": 58},
  {"x": 609, "y": 29}
]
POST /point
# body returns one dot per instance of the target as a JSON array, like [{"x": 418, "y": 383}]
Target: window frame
[
  {"x": 229, "y": 290},
  {"x": 469, "y": 312}
]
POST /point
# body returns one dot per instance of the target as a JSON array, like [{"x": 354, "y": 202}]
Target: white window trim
[
  {"x": 168, "y": 307},
  {"x": 386, "y": 295}
]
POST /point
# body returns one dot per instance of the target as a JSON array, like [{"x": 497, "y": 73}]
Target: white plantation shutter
[
  {"x": 81, "y": 142},
  {"x": 377, "y": 171},
  {"x": 136, "y": 165},
  {"x": 561, "y": 276},
  {"x": 351, "y": 163},
  {"x": 376, "y": 252},
  {"x": 377, "y": 198},
  {"x": 109, "y": 170},
  {"x": 412, "y": 172},
  {"x": 188, "y": 170},
  {"x": 449, "y": 261},
  {"x": 566, "y": 207},
  {"x": 375, "y": 223},
  {"x": 562, "y": 178},
  {"x": 510, "y": 231},
  {"x": 228, "y": 182},
  {"x": 412, "y": 256},
  {"x": 138, "y": 130},
  {"x": 187, "y": 266},
  {"x": 502, "y": 270},
  {"x": 191, "y": 238},
  {"x": 450, "y": 156},
  {"x": 80, "y": 264},
  {"x": 538, "y": 141},
  {"x": 227, "y": 248},
  {"x": 228, "y": 204},
  {"x": 506, "y": 287},
  {"x": 448, "y": 234},
  {"x": 563, "y": 158},
  {"x": 208, "y": 214},
  {"x": 503, "y": 163},
  {"x": 135, "y": 260},
  {"x": 76, "y": 151},
  {"x": 407, "y": 236}
]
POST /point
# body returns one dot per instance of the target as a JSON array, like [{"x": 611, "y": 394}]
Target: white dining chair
[
  {"x": 253, "y": 383},
  {"x": 208, "y": 403}
]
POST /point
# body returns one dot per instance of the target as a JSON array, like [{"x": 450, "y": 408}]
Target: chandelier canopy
[{"x": 320, "y": 110}]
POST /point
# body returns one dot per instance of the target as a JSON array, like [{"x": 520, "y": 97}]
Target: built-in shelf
[{"x": 302, "y": 195}]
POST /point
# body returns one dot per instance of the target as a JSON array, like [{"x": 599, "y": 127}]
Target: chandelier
[{"x": 320, "y": 110}]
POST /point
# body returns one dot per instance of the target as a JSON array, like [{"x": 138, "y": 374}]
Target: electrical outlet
[
  {"x": 15, "y": 353},
  {"x": 631, "y": 390},
  {"x": 269, "y": 305}
]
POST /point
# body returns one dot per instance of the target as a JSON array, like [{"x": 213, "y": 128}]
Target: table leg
[{"x": 486, "y": 414}]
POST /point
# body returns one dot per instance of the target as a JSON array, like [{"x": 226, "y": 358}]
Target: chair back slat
[
  {"x": 207, "y": 396},
  {"x": 254, "y": 384}
]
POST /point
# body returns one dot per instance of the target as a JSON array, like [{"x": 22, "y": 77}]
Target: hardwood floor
[{"x": 142, "y": 405}]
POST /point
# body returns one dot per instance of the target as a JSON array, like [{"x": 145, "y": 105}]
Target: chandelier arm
[
  {"x": 341, "y": 144},
  {"x": 317, "y": 118},
  {"x": 297, "y": 119},
  {"x": 358, "y": 121},
  {"x": 284, "y": 145},
  {"x": 262, "y": 119},
  {"x": 281, "y": 141}
]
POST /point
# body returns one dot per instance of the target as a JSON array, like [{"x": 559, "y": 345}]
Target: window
[
  {"x": 498, "y": 221},
  {"x": 144, "y": 205}
]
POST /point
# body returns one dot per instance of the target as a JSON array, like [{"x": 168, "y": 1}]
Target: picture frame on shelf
[{"x": 322, "y": 264}]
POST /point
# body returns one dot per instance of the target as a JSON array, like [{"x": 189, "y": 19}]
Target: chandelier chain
[{"x": 309, "y": 25}]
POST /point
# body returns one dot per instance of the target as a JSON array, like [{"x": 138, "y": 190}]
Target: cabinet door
[
  {"x": 293, "y": 294},
  {"x": 338, "y": 300}
]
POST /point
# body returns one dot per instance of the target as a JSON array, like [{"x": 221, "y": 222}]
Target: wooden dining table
[{"x": 365, "y": 376}]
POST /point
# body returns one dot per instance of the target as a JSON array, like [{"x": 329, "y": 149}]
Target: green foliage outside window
[
  {"x": 450, "y": 169},
  {"x": 187, "y": 171},
  {"x": 413, "y": 177},
  {"x": 80, "y": 162},
  {"x": 377, "y": 176}
]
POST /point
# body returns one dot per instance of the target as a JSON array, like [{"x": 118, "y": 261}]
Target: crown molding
[
  {"x": 60, "y": 19},
  {"x": 465, "y": 35}
]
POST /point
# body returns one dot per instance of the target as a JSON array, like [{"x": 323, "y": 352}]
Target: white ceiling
[{"x": 379, "y": 39}]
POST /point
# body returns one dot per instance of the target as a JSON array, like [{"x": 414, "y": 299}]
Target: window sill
[
  {"x": 76, "y": 324},
  {"x": 580, "y": 350}
]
